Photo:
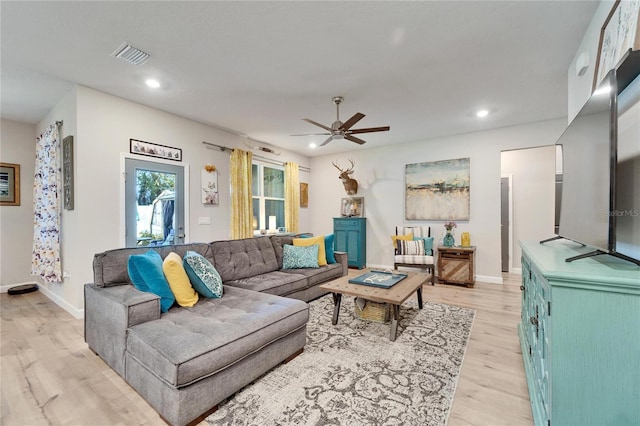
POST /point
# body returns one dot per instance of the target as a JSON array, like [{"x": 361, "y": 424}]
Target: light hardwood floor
[{"x": 48, "y": 376}]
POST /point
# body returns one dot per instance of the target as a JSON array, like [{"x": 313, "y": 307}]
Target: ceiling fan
[{"x": 340, "y": 130}]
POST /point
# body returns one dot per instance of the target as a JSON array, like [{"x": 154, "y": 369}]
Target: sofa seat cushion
[
  {"x": 188, "y": 344},
  {"x": 320, "y": 275},
  {"x": 276, "y": 282},
  {"x": 414, "y": 259}
]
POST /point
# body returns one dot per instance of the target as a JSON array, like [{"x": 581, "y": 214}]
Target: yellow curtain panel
[
  {"x": 291, "y": 197},
  {"x": 241, "y": 203}
]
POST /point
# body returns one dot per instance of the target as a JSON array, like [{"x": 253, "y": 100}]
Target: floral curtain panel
[
  {"x": 45, "y": 260},
  {"x": 291, "y": 197},
  {"x": 241, "y": 202}
]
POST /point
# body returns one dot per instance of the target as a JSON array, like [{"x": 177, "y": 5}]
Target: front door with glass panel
[{"x": 154, "y": 203}]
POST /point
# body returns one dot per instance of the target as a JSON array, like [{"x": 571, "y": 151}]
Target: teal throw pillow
[
  {"x": 428, "y": 244},
  {"x": 328, "y": 248},
  {"x": 203, "y": 276},
  {"x": 145, "y": 272},
  {"x": 298, "y": 257}
]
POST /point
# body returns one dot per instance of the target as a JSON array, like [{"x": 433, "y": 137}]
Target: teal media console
[{"x": 580, "y": 336}]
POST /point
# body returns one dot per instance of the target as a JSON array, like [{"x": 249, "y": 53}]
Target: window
[{"x": 268, "y": 197}]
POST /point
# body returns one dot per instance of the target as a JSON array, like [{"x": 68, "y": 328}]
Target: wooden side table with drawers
[{"x": 457, "y": 265}]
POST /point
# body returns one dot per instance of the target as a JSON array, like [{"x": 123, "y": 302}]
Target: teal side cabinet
[
  {"x": 580, "y": 336},
  {"x": 350, "y": 236}
]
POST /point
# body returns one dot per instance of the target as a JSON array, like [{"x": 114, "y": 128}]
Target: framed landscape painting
[{"x": 438, "y": 190}]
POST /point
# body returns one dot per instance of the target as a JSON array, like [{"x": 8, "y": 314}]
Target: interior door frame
[
  {"x": 509, "y": 178},
  {"x": 123, "y": 219}
]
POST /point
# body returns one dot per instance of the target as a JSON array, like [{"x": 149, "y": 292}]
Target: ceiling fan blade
[
  {"x": 308, "y": 120},
  {"x": 370, "y": 129},
  {"x": 354, "y": 139},
  {"x": 353, "y": 120},
  {"x": 327, "y": 141},
  {"x": 310, "y": 134}
]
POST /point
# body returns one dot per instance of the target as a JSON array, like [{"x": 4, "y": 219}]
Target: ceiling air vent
[{"x": 130, "y": 54}]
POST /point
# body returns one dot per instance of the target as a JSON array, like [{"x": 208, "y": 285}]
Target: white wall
[
  {"x": 102, "y": 126},
  {"x": 18, "y": 142},
  {"x": 380, "y": 174},
  {"x": 579, "y": 88},
  {"x": 533, "y": 194}
]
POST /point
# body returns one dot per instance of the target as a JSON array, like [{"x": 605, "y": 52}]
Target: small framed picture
[
  {"x": 352, "y": 207},
  {"x": 9, "y": 184},
  {"x": 154, "y": 150}
]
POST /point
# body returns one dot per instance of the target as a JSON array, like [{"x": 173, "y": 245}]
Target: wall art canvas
[
  {"x": 438, "y": 190},
  {"x": 209, "y": 181},
  {"x": 620, "y": 32},
  {"x": 154, "y": 150},
  {"x": 9, "y": 184},
  {"x": 67, "y": 172},
  {"x": 304, "y": 194}
]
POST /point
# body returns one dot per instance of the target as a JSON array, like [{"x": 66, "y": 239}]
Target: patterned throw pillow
[
  {"x": 203, "y": 276},
  {"x": 318, "y": 241},
  {"x": 411, "y": 248},
  {"x": 297, "y": 257}
]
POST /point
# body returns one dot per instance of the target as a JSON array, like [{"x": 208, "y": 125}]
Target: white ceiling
[{"x": 258, "y": 68}]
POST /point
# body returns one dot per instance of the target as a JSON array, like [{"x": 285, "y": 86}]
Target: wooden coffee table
[{"x": 395, "y": 295}]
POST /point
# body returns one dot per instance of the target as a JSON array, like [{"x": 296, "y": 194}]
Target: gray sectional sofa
[{"x": 187, "y": 360}]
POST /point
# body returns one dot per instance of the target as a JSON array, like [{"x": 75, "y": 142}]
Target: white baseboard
[
  {"x": 75, "y": 312},
  {"x": 489, "y": 279},
  {"x": 516, "y": 271}
]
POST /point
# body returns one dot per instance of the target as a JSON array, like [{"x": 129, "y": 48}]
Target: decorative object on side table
[
  {"x": 465, "y": 240},
  {"x": 449, "y": 240},
  {"x": 352, "y": 207}
]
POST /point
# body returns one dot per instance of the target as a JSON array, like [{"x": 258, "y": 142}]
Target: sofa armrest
[
  {"x": 109, "y": 312},
  {"x": 343, "y": 259}
]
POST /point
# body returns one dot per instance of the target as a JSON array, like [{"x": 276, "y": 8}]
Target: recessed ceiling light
[
  {"x": 152, "y": 83},
  {"x": 482, "y": 113},
  {"x": 312, "y": 145}
]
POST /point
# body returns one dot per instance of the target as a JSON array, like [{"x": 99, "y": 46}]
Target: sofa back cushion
[
  {"x": 278, "y": 243},
  {"x": 238, "y": 259},
  {"x": 110, "y": 267}
]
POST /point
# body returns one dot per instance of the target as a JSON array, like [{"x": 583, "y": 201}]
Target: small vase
[{"x": 448, "y": 240}]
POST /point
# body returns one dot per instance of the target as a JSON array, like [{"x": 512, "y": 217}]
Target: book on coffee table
[{"x": 380, "y": 279}]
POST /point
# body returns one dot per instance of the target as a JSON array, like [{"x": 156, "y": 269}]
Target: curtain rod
[{"x": 265, "y": 159}]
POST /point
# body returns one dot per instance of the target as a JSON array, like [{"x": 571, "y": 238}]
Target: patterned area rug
[{"x": 351, "y": 374}]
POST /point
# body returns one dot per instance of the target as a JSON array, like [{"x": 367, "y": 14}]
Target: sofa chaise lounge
[{"x": 187, "y": 360}]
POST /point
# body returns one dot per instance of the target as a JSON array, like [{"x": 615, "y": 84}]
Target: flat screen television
[{"x": 593, "y": 189}]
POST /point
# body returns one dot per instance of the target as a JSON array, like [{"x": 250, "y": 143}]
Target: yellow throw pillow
[
  {"x": 395, "y": 238},
  {"x": 319, "y": 241},
  {"x": 179, "y": 280}
]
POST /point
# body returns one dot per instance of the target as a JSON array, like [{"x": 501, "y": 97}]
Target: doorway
[
  {"x": 154, "y": 203},
  {"x": 505, "y": 223}
]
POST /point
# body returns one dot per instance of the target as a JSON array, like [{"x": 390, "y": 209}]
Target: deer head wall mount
[{"x": 350, "y": 184}]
